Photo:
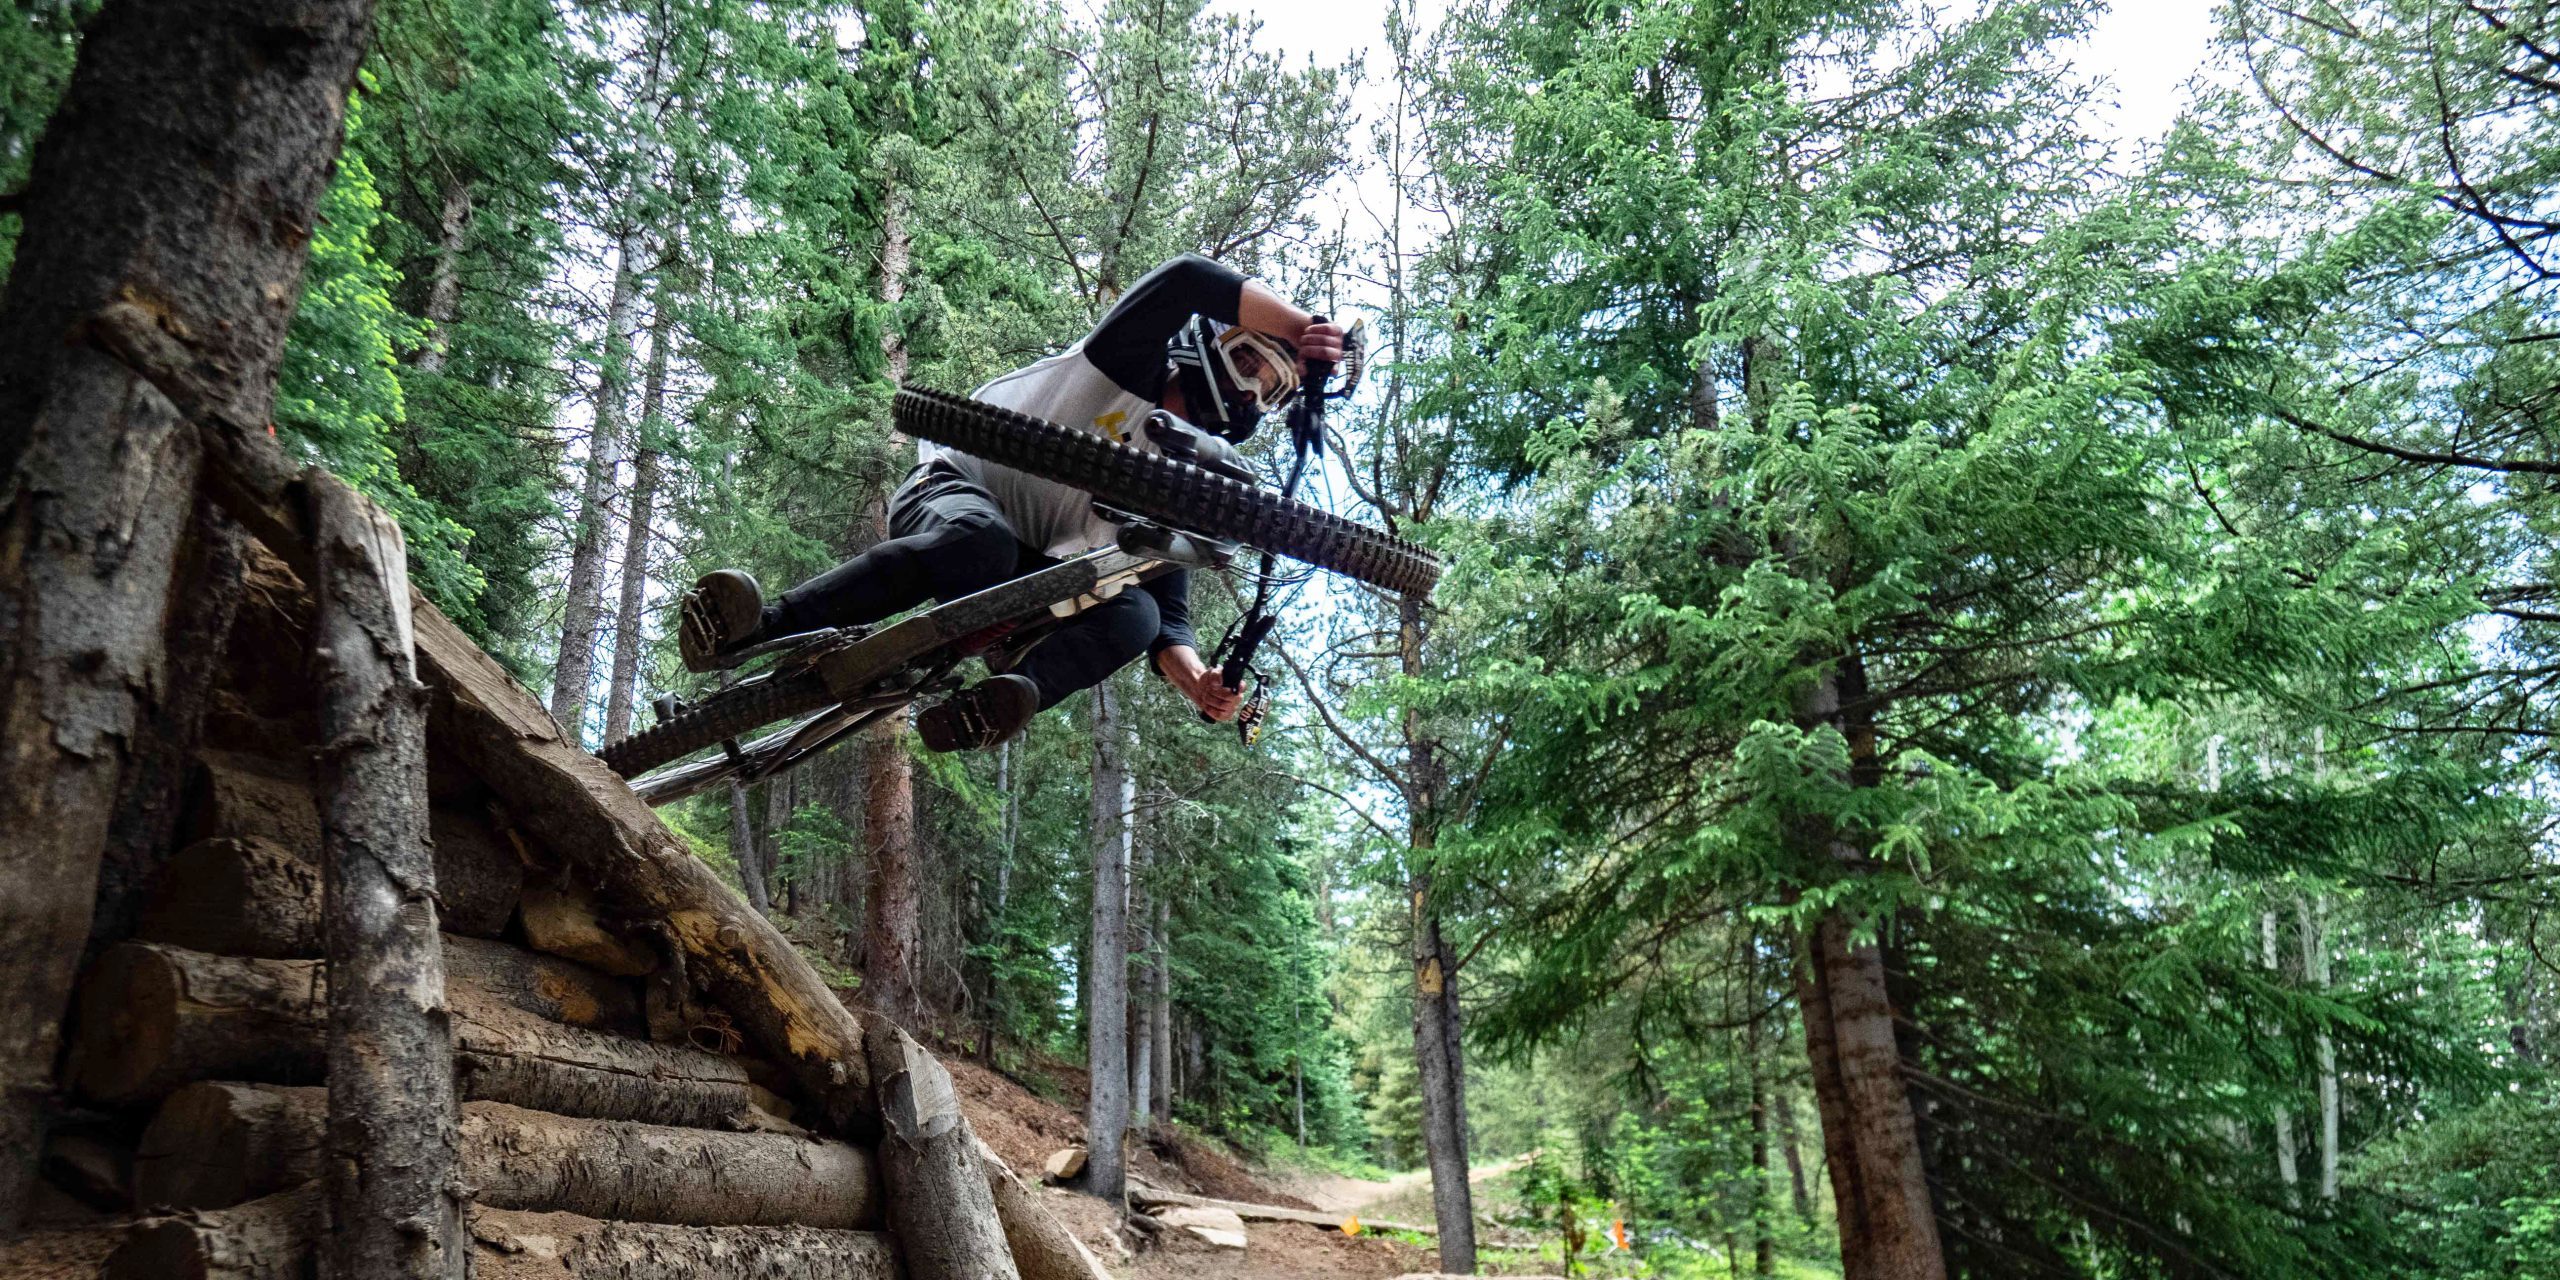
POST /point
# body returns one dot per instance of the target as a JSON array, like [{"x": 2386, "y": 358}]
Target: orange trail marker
[
  {"x": 1351, "y": 1225},
  {"x": 1618, "y": 1236}
]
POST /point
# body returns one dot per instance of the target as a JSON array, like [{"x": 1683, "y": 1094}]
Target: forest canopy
[{"x": 1990, "y": 709}]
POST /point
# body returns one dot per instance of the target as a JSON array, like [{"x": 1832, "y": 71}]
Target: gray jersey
[{"x": 1070, "y": 390}]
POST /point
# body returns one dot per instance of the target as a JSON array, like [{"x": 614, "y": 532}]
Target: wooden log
[
  {"x": 253, "y": 801},
  {"x": 271, "y": 1239},
  {"x": 1043, "y": 1248},
  {"x": 154, "y": 1018},
  {"x": 562, "y": 1246},
  {"x": 214, "y": 1145},
  {"x": 581, "y": 811},
  {"x": 940, "y": 1207},
  {"x": 562, "y": 918},
  {"x": 255, "y": 797},
  {"x": 545, "y": 986},
  {"x": 521, "y": 1159},
  {"x": 1064, "y": 1163},
  {"x": 478, "y": 875},
  {"x": 1153, "y": 1196},
  {"x": 236, "y": 896},
  {"x": 1221, "y": 1227},
  {"x": 394, "y": 1208}
]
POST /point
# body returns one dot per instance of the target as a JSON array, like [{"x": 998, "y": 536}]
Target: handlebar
[{"x": 1306, "y": 439}]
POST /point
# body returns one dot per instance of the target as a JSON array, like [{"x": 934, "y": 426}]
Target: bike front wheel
[{"x": 1161, "y": 488}]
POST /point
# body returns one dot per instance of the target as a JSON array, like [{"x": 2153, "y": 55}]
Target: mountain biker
[{"x": 1193, "y": 337}]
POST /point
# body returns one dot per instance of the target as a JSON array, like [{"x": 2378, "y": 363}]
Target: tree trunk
[
  {"x": 2314, "y": 919},
  {"x": 1042, "y": 1248},
  {"x": 1888, "y": 1224},
  {"x": 892, "y": 944},
  {"x": 742, "y": 844},
  {"x": 1141, "y": 1029},
  {"x": 1792, "y": 1143},
  {"x": 394, "y": 1209},
  {"x": 1439, "y": 1060},
  {"x": 1764, "y": 1243},
  {"x": 583, "y": 605},
  {"x": 1106, "y": 1115},
  {"x": 444, "y": 282},
  {"x": 179, "y": 175},
  {"x": 1161, "y": 1008},
  {"x": 630, "y": 619},
  {"x": 2286, "y": 1167}
]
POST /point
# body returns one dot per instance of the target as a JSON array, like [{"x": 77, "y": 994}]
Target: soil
[
  {"x": 71, "y": 1254},
  {"x": 1025, "y": 1127}
]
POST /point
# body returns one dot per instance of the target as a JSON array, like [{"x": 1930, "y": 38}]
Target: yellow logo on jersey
[{"x": 1110, "y": 424}]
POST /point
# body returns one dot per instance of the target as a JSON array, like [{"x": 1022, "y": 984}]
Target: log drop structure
[{"x": 649, "y": 1083}]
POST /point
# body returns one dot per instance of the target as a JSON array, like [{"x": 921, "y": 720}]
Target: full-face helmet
[{"x": 1231, "y": 375}]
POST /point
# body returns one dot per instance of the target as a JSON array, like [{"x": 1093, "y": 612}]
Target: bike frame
[{"x": 878, "y": 673}]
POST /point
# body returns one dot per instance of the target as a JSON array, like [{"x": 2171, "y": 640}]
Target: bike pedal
[{"x": 730, "y": 748}]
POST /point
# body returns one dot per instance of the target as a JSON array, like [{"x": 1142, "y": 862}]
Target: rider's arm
[
  {"x": 1128, "y": 346},
  {"x": 1176, "y": 652}
]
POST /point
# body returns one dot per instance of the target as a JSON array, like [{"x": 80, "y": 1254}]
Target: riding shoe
[
  {"x": 980, "y": 716},
  {"x": 724, "y": 610}
]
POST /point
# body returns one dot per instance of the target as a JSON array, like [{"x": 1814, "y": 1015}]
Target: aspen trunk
[
  {"x": 140, "y": 191},
  {"x": 1141, "y": 1024},
  {"x": 630, "y": 618},
  {"x": 394, "y": 1210},
  {"x": 2314, "y": 919},
  {"x": 1106, "y": 967},
  {"x": 582, "y": 604}
]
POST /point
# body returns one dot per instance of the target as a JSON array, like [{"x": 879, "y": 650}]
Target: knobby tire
[
  {"x": 723, "y": 715},
  {"x": 1160, "y": 488}
]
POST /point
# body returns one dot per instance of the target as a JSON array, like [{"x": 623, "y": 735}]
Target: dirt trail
[{"x": 1334, "y": 1193}]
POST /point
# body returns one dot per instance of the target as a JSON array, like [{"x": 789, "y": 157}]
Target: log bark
[
  {"x": 1106, "y": 1114},
  {"x": 561, "y": 917},
  {"x": 514, "y": 1245},
  {"x": 478, "y": 877},
  {"x": 152, "y": 797},
  {"x": 1043, "y": 1248},
  {"x": 521, "y": 1159},
  {"x": 1143, "y": 1194},
  {"x": 394, "y": 1208},
  {"x": 256, "y": 798},
  {"x": 250, "y": 898},
  {"x": 236, "y": 896},
  {"x": 213, "y": 1145},
  {"x": 180, "y": 176},
  {"x": 588, "y": 817},
  {"x": 272, "y": 1239},
  {"x": 156, "y": 1018},
  {"x": 940, "y": 1207}
]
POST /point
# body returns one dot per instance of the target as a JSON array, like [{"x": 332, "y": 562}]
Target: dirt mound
[
  {"x": 1279, "y": 1249},
  {"x": 1210, "y": 1171}
]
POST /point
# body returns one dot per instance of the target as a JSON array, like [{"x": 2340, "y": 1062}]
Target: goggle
[{"x": 1259, "y": 366}]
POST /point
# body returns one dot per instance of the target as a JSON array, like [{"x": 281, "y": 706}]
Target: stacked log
[{"x": 271, "y": 1239}]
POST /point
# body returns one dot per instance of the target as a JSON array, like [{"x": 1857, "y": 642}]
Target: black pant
[{"x": 947, "y": 540}]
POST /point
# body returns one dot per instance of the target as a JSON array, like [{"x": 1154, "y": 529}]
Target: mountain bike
[{"x": 1192, "y": 508}]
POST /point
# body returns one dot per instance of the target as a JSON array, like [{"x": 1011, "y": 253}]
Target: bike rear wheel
[
  {"x": 717, "y": 718},
  {"x": 1161, "y": 488}
]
